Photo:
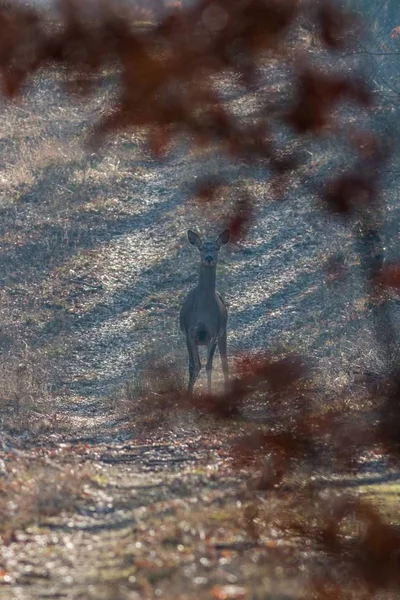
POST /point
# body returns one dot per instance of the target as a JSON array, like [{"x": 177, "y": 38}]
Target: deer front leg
[
  {"x": 194, "y": 363},
  {"x": 210, "y": 355},
  {"x": 224, "y": 359}
]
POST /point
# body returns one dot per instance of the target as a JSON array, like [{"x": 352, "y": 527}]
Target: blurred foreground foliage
[{"x": 168, "y": 78}]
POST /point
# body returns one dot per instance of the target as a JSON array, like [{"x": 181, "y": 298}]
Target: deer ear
[
  {"x": 223, "y": 238},
  {"x": 194, "y": 238}
]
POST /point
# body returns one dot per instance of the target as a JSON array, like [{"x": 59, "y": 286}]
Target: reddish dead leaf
[
  {"x": 318, "y": 95},
  {"x": 350, "y": 191},
  {"x": 228, "y": 592},
  {"x": 373, "y": 555},
  {"x": 246, "y": 450},
  {"x": 5, "y": 577},
  {"x": 159, "y": 140},
  {"x": 395, "y": 32},
  {"x": 335, "y": 26},
  {"x": 144, "y": 563},
  {"x": 225, "y": 406},
  {"x": 389, "y": 276},
  {"x": 279, "y": 373},
  {"x": 285, "y": 162},
  {"x": 208, "y": 190},
  {"x": 240, "y": 221}
]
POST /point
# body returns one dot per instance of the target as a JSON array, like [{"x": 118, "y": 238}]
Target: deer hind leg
[
  {"x": 224, "y": 359},
  {"x": 210, "y": 355},
  {"x": 194, "y": 363}
]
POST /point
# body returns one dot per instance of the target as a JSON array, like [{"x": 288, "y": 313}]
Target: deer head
[{"x": 209, "y": 249}]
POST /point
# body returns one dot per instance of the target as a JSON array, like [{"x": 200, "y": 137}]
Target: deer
[{"x": 204, "y": 314}]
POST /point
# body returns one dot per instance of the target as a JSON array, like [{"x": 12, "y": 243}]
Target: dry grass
[
  {"x": 150, "y": 401},
  {"x": 33, "y": 490},
  {"x": 28, "y": 408}
]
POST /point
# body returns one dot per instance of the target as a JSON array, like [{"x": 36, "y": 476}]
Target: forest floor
[{"x": 103, "y": 493}]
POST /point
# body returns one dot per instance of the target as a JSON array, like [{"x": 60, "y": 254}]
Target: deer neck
[{"x": 206, "y": 287}]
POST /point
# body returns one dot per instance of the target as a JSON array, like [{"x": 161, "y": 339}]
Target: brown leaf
[
  {"x": 240, "y": 221},
  {"x": 318, "y": 95},
  {"x": 279, "y": 373},
  {"x": 335, "y": 26},
  {"x": 395, "y": 32},
  {"x": 389, "y": 275},
  {"x": 349, "y": 191},
  {"x": 228, "y": 592},
  {"x": 208, "y": 190}
]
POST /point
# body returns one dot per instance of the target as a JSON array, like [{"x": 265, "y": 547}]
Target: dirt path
[{"x": 137, "y": 529}]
